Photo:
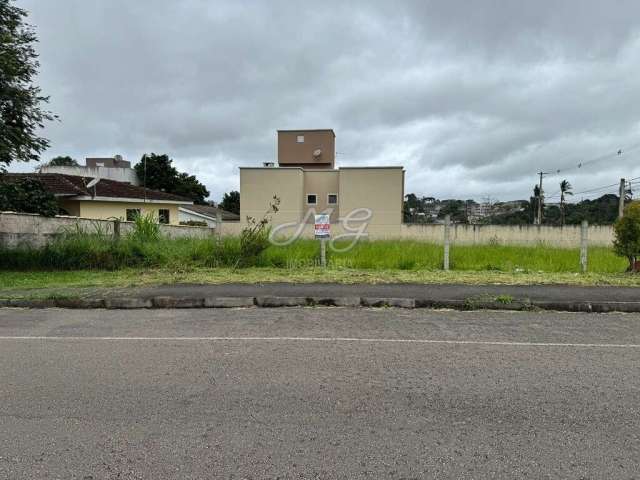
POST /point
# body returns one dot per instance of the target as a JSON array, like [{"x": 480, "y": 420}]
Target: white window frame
[
  {"x": 328, "y": 202},
  {"x": 307, "y": 198},
  {"x": 300, "y": 139}
]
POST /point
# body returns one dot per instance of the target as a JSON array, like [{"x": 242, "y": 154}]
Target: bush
[
  {"x": 627, "y": 235},
  {"x": 254, "y": 238},
  {"x": 145, "y": 228},
  {"x": 27, "y": 195}
]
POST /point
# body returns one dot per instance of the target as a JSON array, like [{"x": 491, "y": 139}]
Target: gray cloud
[{"x": 472, "y": 97}]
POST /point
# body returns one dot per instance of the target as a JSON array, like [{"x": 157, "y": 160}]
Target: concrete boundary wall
[
  {"x": 567, "y": 236},
  {"x": 35, "y": 230}
]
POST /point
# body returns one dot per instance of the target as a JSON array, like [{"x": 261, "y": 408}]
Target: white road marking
[{"x": 327, "y": 339}]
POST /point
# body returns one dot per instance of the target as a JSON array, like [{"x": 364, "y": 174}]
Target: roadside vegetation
[
  {"x": 78, "y": 258},
  {"x": 145, "y": 248}
]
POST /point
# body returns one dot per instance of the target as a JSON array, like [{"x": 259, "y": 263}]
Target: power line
[
  {"x": 618, "y": 153},
  {"x": 597, "y": 189}
]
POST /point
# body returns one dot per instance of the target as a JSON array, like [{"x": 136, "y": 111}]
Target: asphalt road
[{"x": 318, "y": 393}]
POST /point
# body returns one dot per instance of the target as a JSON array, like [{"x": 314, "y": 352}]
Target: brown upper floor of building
[{"x": 307, "y": 148}]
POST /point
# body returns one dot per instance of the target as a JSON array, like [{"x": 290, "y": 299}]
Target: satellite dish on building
[
  {"x": 93, "y": 182},
  {"x": 317, "y": 152}
]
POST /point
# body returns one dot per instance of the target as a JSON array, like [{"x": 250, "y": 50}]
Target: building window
[
  {"x": 332, "y": 199},
  {"x": 132, "y": 213},
  {"x": 300, "y": 139},
  {"x": 163, "y": 215},
  {"x": 312, "y": 199}
]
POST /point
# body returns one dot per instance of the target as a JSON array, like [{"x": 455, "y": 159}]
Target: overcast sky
[{"x": 471, "y": 97}]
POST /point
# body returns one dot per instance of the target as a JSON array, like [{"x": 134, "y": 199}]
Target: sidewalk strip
[{"x": 327, "y": 339}]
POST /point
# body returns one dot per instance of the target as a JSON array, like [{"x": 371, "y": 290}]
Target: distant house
[
  {"x": 111, "y": 168},
  {"x": 205, "y": 213},
  {"x": 106, "y": 199},
  {"x": 306, "y": 180}
]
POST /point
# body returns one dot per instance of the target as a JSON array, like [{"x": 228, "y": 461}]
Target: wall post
[
  {"x": 447, "y": 222},
  {"x": 218, "y": 225},
  {"x": 584, "y": 240},
  {"x": 116, "y": 228}
]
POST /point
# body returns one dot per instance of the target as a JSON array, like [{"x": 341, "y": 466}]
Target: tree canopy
[
  {"x": 162, "y": 175},
  {"x": 231, "y": 202},
  {"x": 29, "y": 196},
  {"x": 21, "y": 112},
  {"x": 627, "y": 235},
  {"x": 62, "y": 161}
]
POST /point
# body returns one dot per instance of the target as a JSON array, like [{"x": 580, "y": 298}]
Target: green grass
[
  {"x": 80, "y": 260},
  {"x": 95, "y": 252},
  {"x": 18, "y": 284}
]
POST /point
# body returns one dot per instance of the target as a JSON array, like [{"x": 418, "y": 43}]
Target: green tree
[
  {"x": 62, "y": 161},
  {"x": 456, "y": 208},
  {"x": 21, "y": 112},
  {"x": 27, "y": 195},
  {"x": 231, "y": 202},
  {"x": 158, "y": 173},
  {"x": 565, "y": 189},
  {"x": 627, "y": 235}
]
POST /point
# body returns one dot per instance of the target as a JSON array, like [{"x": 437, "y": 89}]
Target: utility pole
[
  {"x": 540, "y": 197},
  {"x": 623, "y": 185},
  {"x": 144, "y": 162}
]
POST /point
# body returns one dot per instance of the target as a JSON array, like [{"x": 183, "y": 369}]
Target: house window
[
  {"x": 300, "y": 139},
  {"x": 132, "y": 213},
  {"x": 332, "y": 199},
  {"x": 312, "y": 199},
  {"x": 163, "y": 215}
]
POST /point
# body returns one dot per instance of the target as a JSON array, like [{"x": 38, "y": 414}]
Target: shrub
[
  {"x": 254, "y": 238},
  {"x": 145, "y": 228},
  {"x": 27, "y": 195},
  {"x": 627, "y": 235}
]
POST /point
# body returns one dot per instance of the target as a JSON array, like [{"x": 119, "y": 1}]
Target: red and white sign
[{"x": 322, "y": 226}]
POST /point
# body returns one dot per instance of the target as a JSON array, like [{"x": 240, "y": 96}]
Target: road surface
[{"x": 318, "y": 393}]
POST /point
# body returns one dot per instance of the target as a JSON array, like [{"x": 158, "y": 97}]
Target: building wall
[
  {"x": 380, "y": 190},
  {"x": 127, "y": 175},
  {"x": 71, "y": 206},
  {"x": 259, "y": 185},
  {"x": 292, "y": 153},
  {"x": 321, "y": 183},
  {"x": 111, "y": 210}
]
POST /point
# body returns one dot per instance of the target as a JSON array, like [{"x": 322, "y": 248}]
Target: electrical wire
[
  {"x": 618, "y": 153},
  {"x": 597, "y": 189}
]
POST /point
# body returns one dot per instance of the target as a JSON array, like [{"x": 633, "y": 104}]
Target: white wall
[{"x": 118, "y": 174}]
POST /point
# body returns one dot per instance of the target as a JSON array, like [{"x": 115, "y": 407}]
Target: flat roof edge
[
  {"x": 308, "y": 130},
  {"x": 372, "y": 168}
]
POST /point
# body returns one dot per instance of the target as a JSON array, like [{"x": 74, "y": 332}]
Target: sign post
[{"x": 322, "y": 231}]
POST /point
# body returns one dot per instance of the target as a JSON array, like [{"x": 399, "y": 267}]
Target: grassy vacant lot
[{"x": 85, "y": 260}]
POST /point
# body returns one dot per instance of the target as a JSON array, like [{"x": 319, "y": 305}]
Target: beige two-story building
[{"x": 307, "y": 182}]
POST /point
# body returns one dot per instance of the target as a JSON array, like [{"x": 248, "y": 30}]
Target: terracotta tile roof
[
  {"x": 211, "y": 212},
  {"x": 70, "y": 185}
]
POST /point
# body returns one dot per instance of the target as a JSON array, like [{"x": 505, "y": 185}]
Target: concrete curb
[{"x": 166, "y": 302}]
